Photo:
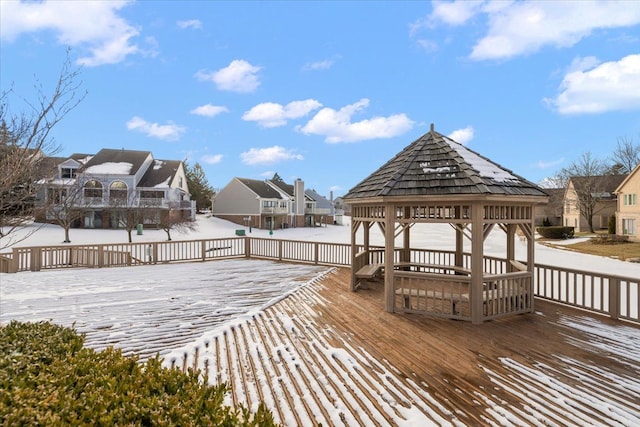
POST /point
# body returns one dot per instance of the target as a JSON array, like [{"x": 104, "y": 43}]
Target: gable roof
[
  {"x": 261, "y": 188},
  {"x": 119, "y": 162},
  {"x": 321, "y": 201},
  {"x": 160, "y": 173},
  {"x": 435, "y": 165},
  {"x": 604, "y": 185},
  {"x": 628, "y": 177}
]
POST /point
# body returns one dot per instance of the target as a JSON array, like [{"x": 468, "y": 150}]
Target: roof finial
[{"x": 432, "y": 128}]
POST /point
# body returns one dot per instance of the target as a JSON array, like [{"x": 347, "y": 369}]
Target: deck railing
[{"x": 611, "y": 295}]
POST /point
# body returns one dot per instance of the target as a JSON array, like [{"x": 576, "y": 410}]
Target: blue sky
[{"x": 329, "y": 91}]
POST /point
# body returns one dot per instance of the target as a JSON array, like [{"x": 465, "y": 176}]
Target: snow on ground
[
  {"x": 432, "y": 236},
  {"x": 172, "y": 309}
]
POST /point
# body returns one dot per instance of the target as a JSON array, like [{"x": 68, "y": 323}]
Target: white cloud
[
  {"x": 92, "y": 26},
  {"x": 463, "y": 136},
  {"x": 195, "y": 24},
  {"x": 238, "y": 76},
  {"x": 597, "y": 88},
  {"x": 168, "y": 132},
  {"x": 270, "y": 114},
  {"x": 548, "y": 164},
  {"x": 209, "y": 110},
  {"x": 267, "y": 156},
  {"x": 211, "y": 159},
  {"x": 336, "y": 126},
  {"x": 319, "y": 65},
  {"x": 524, "y": 27}
]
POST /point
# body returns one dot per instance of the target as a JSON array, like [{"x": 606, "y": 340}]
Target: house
[
  {"x": 590, "y": 195},
  {"x": 628, "y": 211},
  {"x": 103, "y": 189},
  {"x": 271, "y": 204},
  {"x": 552, "y": 211}
]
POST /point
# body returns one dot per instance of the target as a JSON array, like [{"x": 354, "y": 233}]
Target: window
[
  {"x": 67, "y": 173},
  {"x": 629, "y": 227},
  {"x": 93, "y": 188},
  {"x": 118, "y": 190},
  {"x": 630, "y": 199},
  {"x": 57, "y": 195}
]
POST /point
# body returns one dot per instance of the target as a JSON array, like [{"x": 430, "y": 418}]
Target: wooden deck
[{"x": 327, "y": 355}]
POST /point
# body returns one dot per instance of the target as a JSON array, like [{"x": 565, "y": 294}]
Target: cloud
[
  {"x": 320, "y": 65},
  {"x": 590, "y": 87},
  {"x": 168, "y": 132},
  {"x": 463, "y": 136},
  {"x": 270, "y": 114},
  {"x": 211, "y": 159},
  {"x": 549, "y": 164},
  {"x": 268, "y": 156},
  {"x": 336, "y": 126},
  {"x": 90, "y": 26},
  {"x": 238, "y": 76},
  {"x": 525, "y": 27},
  {"x": 209, "y": 110},
  {"x": 195, "y": 24}
]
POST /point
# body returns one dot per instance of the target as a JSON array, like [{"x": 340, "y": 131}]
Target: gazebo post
[
  {"x": 366, "y": 228},
  {"x": 354, "y": 229},
  {"x": 511, "y": 245},
  {"x": 459, "y": 260},
  {"x": 477, "y": 264},
  {"x": 389, "y": 248},
  {"x": 531, "y": 251},
  {"x": 406, "y": 237}
]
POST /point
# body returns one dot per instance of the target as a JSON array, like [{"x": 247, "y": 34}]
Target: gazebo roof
[{"x": 435, "y": 165}]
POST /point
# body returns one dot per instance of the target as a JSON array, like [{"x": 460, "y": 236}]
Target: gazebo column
[
  {"x": 354, "y": 249},
  {"x": 511, "y": 245},
  {"x": 477, "y": 264},
  {"x": 459, "y": 259},
  {"x": 531, "y": 251},
  {"x": 389, "y": 248},
  {"x": 366, "y": 227},
  {"x": 406, "y": 237}
]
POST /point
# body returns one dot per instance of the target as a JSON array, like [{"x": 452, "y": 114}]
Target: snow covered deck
[{"x": 320, "y": 353}]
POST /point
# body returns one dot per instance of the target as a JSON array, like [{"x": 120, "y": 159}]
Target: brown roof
[
  {"x": 160, "y": 173},
  {"x": 108, "y": 155},
  {"x": 261, "y": 188},
  {"x": 604, "y": 186},
  {"x": 435, "y": 165}
]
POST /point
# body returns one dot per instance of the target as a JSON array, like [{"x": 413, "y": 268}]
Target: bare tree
[
  {"x": 587, "y": 174},
  {"x": 175, "y": 219},
  {"x": 126, "y": 211},
  {"x": 626, "y": 155},
  {"x": 62, "y": 205},
  {"x": 25, "y": 139}
]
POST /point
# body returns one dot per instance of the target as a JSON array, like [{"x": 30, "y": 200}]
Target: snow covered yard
[
  {"x": 280, "y": 333},
  {"x": 149, "y": 309}
]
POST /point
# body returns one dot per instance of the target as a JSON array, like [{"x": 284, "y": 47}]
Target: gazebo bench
[
  {"x": 369, "y": 271},
  {"x": 489, "y": 296}
]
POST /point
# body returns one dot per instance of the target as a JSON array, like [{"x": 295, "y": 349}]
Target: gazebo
[{"x": 438, "y": 180}]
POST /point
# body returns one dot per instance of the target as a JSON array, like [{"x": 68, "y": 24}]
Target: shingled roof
[
  {"x": 160, "y": 174},
  {"x": 261, "y": 188},
  {"x": 435, "y": 165}
]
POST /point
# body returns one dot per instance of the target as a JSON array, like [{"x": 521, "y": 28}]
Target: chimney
[{"x": 298, "y": 194}]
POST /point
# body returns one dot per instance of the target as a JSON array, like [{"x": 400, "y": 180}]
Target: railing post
[
  {"x": 35, "y": 259},
  {"x": 100, "y": 256},
  {"x": 15, "y": 261},
  {"x": 155, "y": 253},
  {"x": 247, "y": 246},
  {"x": 316, "y": 247},
  {"x": 203, "y": 249},
  {"x": 279, "y": 250},
  {"x": 614, "y": 297}
]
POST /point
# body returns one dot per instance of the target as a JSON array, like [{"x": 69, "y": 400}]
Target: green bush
[
  {"x": 48, "y": 378},
  {"x": 556, "y": 232},
  {"x": 612, "y": 224}
]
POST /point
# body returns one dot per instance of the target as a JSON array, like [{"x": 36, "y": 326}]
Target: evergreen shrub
[
  {"x": 556, "y": 232},
  {"x": 48, "y": 378}
]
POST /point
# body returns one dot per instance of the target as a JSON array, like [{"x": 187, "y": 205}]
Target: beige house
[
  {"x": 104, "y": 186},
  {"x": 628, "y": 212},
  {"x": 271, "y": 204},
  {"x": 590, "y": 196}
]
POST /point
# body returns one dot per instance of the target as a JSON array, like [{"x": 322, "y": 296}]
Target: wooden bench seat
[{"x": 369, "y": 271}]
